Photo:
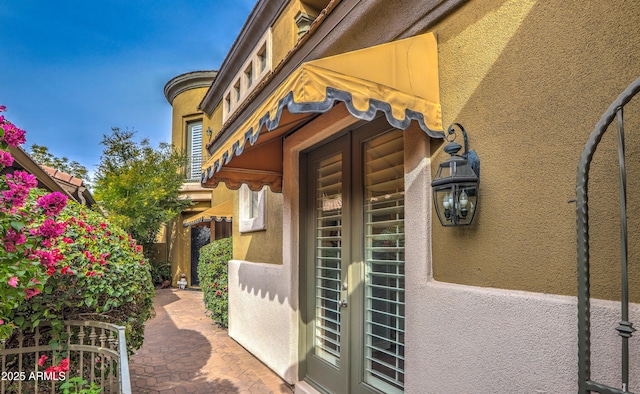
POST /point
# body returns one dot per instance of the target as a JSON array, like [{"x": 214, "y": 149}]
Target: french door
[{"x": 353, "y": 262}]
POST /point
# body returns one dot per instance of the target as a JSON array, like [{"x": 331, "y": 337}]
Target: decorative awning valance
[
  {"x": 218, "y": 213},
  {"x": 399, "y": 78}
]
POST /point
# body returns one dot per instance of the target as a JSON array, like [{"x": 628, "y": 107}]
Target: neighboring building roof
[
  {"x": 75, "y": 186},
  {"x": 51, "y": 179},
  {"x": 63, "y": 176},
  {"x": 23, "y": 161}
]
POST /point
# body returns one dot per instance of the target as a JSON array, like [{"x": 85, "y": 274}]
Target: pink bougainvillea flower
[
  {"x": 52, "y": 229},
  {"x": 48, "y": 258},
  {"x": 67, "y": 240},
  {"x": 91, "y": 257},
  {"x": 13, "y": 282},
  {"x": 54, "y": 371},
  {"x": 64, "y": 365},
  {"x": 31, "y": 293},
  {"x": 24, "y": 179},
  {"x": 5, "y": 158},
  {"x": 42, "y": 360},
  {"x": 17, "y": 238},
  {"x": 1, "y": 322},
  {"x": 9, "y": 247},
  {"x": 52, "y": 203},
  {"x": 2, "y": 108},
  {"x": 19, "y": 184},
  {"x": 13, "y": 238},
  {"x": 13, "y": 135}
]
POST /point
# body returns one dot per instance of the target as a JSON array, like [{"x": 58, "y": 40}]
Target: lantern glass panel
[{"x": 456, "y": 203}]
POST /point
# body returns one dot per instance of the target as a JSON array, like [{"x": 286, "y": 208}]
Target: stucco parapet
[
  {"x": 194, "y": 186},
  {"x": 188, "y": 81},
  {"x": 195, "y": 195}
]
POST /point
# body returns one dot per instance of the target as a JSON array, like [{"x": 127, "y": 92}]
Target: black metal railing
[
  {"x": 625, "y": 328},
  {"x": 192, "y": 171}
]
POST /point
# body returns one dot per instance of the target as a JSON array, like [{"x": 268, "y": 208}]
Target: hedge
[{"x": 213, "y": 275}]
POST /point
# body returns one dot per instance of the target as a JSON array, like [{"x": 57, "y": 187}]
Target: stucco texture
[
  {"x": 529, "y": 80},
  {"x": 494, "y": 341},
  {"x": 185, "y": 109},
  {"x": 261, "y": 246},
  {"x": 284, "y": 32}
]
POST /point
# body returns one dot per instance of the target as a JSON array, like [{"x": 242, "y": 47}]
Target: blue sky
[{"x": 71, "y": 70}]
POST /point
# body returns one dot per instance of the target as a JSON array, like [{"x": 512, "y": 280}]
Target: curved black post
[{"x": 625, "y": 329}]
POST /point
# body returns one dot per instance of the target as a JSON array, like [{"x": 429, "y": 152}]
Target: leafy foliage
[
  {"x": 26, "y": 233},
  {"x": 138, "y": 185},
  {"x": 160, "y": 271},
  {"x": 213, "y": 273},
  {"x": 42, "y": 156},
  {"x": 100, "y": 275},
  {"x": 78, "y": 385}
]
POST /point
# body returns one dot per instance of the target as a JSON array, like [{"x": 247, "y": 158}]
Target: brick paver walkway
[{"x": 185, "y": 352}]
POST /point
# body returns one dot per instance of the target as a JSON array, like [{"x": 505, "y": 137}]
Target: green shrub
[
  {"x": 160, "y": 271},
  {"x": 213, "y": 274},
  {"x": 100, "y": 275}
]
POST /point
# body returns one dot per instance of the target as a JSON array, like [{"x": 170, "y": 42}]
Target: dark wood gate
[{"x": 625, "y": 328}]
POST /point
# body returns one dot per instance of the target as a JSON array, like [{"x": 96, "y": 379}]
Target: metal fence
[
  {"x": 97, "y": 353},
  {"x": 193, "y": 169},
  {"x": 625, "y": 328}
]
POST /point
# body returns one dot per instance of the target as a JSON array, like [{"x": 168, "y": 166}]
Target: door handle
[{"x": 343, "y": 303}]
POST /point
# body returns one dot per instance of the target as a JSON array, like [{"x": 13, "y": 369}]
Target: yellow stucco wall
[
  {"x": 215, "y": 122},
  {"x": 185, "y": 109},
  {"x": 284, "y": 32},
  {"x": 261, "y": 246},
  {"x": 529, "y": 80}
]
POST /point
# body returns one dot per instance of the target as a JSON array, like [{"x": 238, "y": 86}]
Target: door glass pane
[
  {"x": 384, "y": 262},
  {"x": 328, "y": 256}
]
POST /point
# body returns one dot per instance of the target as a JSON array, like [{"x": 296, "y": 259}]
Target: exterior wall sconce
[
  {"x": 209, "y": 132},
  {"x": 455, "y": 186}
]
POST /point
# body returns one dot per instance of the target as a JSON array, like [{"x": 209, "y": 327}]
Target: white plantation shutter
[
  {"x": 384, "y": 262},
  {"x": 194, "y": 150},
  {"x": 328, "y": 259}
]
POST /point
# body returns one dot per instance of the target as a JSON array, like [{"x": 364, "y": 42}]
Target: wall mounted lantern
[{"x": 455, "y": 186}]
